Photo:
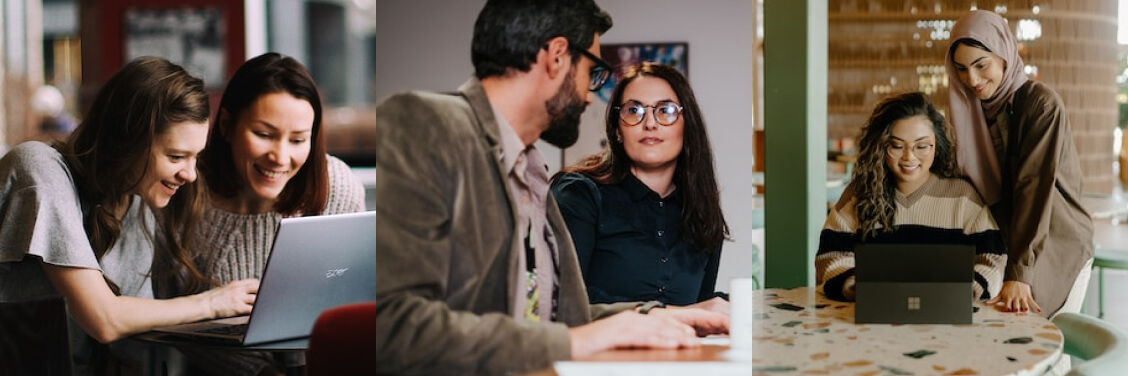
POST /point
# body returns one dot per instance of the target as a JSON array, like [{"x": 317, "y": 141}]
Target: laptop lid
[
  {"x": 316, "y": 263},
  {"x": 914, "y": 283}
]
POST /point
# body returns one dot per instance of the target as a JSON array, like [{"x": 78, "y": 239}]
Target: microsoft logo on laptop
[{"x": 914, "y": 303}]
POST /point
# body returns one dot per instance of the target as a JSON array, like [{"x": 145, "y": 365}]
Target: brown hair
[
  {"x": 308, "y": 191},
  {"x": 702, "y": 217},
  {"x": 109, "y": 152},
  {"x": 873, "y": 185}
]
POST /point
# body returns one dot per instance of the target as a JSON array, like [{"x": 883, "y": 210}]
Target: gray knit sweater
[{"x": 236, "y": 246}]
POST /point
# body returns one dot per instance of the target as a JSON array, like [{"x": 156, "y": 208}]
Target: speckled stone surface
[{"x": 799, "y": 332}]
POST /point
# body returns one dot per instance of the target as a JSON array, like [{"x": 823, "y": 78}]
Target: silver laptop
[
  {"x": 316, "y": 263},
  {"x": 914, "y": 283}
]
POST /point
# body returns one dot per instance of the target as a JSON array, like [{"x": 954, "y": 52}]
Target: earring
[{"x": 619, "y": 138}]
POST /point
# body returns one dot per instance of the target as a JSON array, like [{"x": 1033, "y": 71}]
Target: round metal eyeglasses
[{"x": 634, "y": 112}]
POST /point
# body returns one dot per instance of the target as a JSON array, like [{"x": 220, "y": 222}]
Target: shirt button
[
  {"x": 662, "y": 290},
  {"x": 660, "y": 232},
  {"x": 660, "y": 203},
  {"x": 664, "y": 260}
]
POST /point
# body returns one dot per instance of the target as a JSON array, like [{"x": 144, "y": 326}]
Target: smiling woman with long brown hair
[
  {"x": 904, "y": 190},
  {"x": 98, "y": 218},
  {"x": 266, "y": 160}
]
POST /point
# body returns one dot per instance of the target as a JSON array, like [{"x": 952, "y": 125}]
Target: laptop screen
[{"x": 317, "y": 263}]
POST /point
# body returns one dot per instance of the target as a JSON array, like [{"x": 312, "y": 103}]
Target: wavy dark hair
[
  {"x": 109, "y": 152},
  {"x": 694, "y": 175},
  {"x": 508, "y": 34},
  {"x": 874, "y": 186},
  {"x": 269, "y": 73}
]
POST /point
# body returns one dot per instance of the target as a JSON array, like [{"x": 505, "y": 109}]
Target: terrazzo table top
[{"x": 801, "y": 332}]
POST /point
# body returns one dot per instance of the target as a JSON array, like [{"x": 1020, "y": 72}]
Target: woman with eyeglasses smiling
[
  {"x": 645, "y": 214},
  {"x": 904, "y": 190}
]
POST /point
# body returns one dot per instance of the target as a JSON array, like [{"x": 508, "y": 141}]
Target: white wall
[{"x": 420, "y": 47}]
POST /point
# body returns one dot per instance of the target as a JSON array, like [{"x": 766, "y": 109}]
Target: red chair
[{"x": 341, "y": 342}]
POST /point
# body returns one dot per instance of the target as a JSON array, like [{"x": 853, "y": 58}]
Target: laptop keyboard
[{"x": 228, "y": 329}]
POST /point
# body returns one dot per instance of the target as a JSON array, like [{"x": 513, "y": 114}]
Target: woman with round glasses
[
  {"x": 904, "y": 190},
  {"x": 645, "y": 214}
]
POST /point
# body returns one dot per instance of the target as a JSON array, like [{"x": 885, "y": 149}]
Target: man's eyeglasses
[
  {"x": 600, "y": 72},
  {"x": 634, "y": 112},
  {"x": 921, "y": 150}
]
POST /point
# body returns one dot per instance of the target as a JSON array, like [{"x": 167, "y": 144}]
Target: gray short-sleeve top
[{"x": 41, "y": 219}]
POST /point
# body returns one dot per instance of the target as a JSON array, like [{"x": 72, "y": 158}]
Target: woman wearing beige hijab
[{"x": 1016, "y": 146}]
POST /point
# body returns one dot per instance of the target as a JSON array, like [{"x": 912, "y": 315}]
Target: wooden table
[{"x": 799, "y": 332}]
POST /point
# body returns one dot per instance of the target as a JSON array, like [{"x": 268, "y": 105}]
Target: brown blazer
[
  {"x": 446, "y": 235},
  {"x": 1049, "y": 235}
]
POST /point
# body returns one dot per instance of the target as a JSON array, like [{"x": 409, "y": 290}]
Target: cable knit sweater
[
  {"x": 236, "y": 246},
  {"x": 940, "y": 211}
]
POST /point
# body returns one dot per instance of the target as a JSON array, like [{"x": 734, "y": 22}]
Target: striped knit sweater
[
  {"x": 236, "y": 247},
  {"x": 941, "y": 211}
]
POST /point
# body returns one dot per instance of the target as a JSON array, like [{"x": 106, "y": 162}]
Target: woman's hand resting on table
[{"x": 1015, "y": 296}]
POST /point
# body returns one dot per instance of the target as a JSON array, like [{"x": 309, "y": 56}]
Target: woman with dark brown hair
[
  {"x": 645, "y": 214},
  {"x": 904, "y": 190},
  {"x": 266, "y": 160}
]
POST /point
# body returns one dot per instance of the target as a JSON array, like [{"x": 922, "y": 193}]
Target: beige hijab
[{"x": 975, "y": 154}]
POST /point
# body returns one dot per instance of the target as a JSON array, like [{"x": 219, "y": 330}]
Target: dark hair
[
  {"x": 270, "y": 73},
  {"x": 694, "y": 175},
  {"x": 109, "y": 152},
  {"x": 873, "y": 185},
  {"x": 967, "y": 42},
  {"x": 509, "y": 33}
]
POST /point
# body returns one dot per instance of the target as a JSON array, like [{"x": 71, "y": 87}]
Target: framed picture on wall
[
  {"x": 190, "y": 37},
  {"x": 675, "y": 54}
]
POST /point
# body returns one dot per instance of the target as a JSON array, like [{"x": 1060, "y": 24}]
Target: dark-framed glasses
[
  {"x": 600, "y": 72},
  {"x": 633, "y": 112},
  {"x": 921, "y": 149}
]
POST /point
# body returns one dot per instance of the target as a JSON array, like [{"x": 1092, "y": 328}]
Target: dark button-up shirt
[{"x": 630, "y": 243}]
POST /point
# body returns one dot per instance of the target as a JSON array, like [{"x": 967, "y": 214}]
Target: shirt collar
[
  {"x": 511, "y": 145},
  {"x": 638, "y": 191}
]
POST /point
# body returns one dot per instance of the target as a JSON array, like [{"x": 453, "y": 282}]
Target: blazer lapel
[{"x": 487, "y": 126}]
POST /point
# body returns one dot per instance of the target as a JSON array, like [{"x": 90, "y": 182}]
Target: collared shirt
[
  {"x": 630, "y": 243},
  {"x": 527, "y": 176}
]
